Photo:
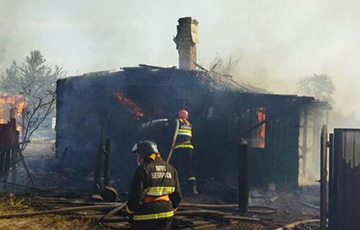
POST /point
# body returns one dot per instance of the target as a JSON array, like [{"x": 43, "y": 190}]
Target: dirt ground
[
  {"x": 57, "y": 181},
  {"x": 36, "y": 223}
]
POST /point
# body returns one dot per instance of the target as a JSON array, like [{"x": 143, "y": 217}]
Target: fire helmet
[
  {"x": 145, "y": 148},
  {"x": 183, "y": 114}
]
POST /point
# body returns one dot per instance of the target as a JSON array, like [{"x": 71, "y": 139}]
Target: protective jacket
[
  {"x": 155, "y": 191},
  {"x": 184, "y": 135}
]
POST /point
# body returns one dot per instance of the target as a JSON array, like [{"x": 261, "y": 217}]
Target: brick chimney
[{"x": 186, "y": 40}]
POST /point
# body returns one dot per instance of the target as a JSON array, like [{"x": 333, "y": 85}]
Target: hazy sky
[{"x": 278, "y": 41}]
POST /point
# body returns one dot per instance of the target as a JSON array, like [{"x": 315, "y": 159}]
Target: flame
[
  {"x": 260, "y": 115},
  {"x": 134, "y": 108},
  {"x": 11, "y": 104}
]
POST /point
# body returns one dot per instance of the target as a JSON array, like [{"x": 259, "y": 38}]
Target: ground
[{"x": 62, "y": 187}]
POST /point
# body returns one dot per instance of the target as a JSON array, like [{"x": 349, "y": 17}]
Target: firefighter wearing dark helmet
[
  {"x": 155, "y": 190},
  {"x": 183, "y": 150}
]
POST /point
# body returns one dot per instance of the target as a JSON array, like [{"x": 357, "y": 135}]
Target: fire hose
[
  {"x": 293, "y": 225},
  {"x": 173, "y": 141}
]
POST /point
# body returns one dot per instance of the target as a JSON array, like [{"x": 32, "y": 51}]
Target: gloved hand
[{"x": 145, "y": 125}]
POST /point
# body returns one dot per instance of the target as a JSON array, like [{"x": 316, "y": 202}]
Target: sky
[{"x": 277, "y": 41}]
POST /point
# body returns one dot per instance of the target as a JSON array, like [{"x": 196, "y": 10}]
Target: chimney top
[
  {"x": 188, "y": 20},
  {"x": 186, "y": 40}
]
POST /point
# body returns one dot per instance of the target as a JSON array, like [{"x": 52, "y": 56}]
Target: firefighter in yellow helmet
[{"x": 155, "y": 190}]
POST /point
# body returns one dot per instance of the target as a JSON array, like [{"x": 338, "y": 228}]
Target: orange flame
[
  {"x": 134, "y": 108},
  {"x": 260, "y": 114},
  {"x": 16, "y": 104}
]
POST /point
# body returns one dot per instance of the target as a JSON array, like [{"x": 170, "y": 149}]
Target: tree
[
  {"x": 320, "y": 86},
  {"x": 36, "y": 81},
  {"x": 220, "y": 66}
]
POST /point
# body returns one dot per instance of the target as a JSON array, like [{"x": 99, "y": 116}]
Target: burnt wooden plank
[
  {"x": 288, "y": 157},
  {"x": 7, "y": 164},
  {"x": 348, "y": 178},
  {"x": 3, "y": 130},
  {"x": 331, "y": 181},
  {"x": 295, "y": 146},
  {"x": 243, "y": 177},
  {"x": 333, "y": 187},
  {"x": 304, "y": 144},
  {"x": 339, "y": 151},
  {"x": 268, "y": 149},
  {"x": 1, "y": 154},
  {"x": 356, "y": 184},
  {"x": 323, "y": 177}
]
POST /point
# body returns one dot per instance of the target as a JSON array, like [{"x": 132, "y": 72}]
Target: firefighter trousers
[{"x": 183, "y": 162}]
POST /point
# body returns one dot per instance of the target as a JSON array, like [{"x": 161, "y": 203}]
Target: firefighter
[
  {"x": 155, "y": 190},
  {"x": 183, "y": 150}
]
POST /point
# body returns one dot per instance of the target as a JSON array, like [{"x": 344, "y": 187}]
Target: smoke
[{"x": 278, "y": 41}]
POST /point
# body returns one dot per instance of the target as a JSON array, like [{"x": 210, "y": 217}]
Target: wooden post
[
  {"x": 243, "y": 177},
  {"x": 332, "y": 204},
  {"x": 14, "y": 140},
  {"x": 6, "y": 152},
  {"x": 2, "y": 148},
  {"x": 107, "y": 162},
  {"x": 7, "y": 165},
  {"x": 317, "y": 120},
  {"x": 12, "y": 113},
  {"x": 304, "y": 144},
  {"x": 13, "y": 166},
  {"x": 98, "y": 161},
  {"x": 23, "y": 116},
  {"x": 323, "y": 177}
]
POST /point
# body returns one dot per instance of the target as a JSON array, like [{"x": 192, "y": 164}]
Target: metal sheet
[{"x": 345, "y": 189}]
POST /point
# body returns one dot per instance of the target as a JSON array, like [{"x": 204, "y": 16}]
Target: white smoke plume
[{"x": 278, "y": 41}]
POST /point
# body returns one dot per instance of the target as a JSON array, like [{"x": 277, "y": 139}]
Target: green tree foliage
[
  {"x": 320, "y": 86},
  {"x": 36, "y": 81}
]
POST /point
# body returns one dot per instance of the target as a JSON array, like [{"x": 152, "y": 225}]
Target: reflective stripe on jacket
[
  {"x": 183, "y": 139},
  {"x": 184, "y": 128},
  {"x": 159, "y": 191},
  {"x": 185, "y": 132},
  {"x": 183, "y": 145},
  {"x": 154, "y": 216}
]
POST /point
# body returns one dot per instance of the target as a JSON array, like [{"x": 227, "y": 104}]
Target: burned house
[{"x": 222, "y": 112}]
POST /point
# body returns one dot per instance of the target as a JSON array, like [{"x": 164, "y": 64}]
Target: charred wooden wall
[
  {"x": 278, "y": 161},
  {"x": 9, "y": 154},
  {"x": 85, "y": 102},
  {"x": 281, "y": 152}
]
